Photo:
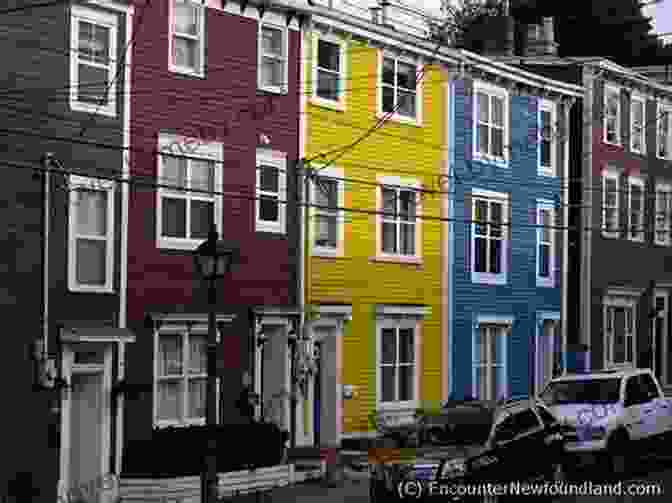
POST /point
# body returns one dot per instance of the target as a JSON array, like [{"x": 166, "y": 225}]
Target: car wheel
[{"x": 617, "y": 453}]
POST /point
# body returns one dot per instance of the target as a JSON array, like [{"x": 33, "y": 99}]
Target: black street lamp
[{"x": 213, "y": 260}]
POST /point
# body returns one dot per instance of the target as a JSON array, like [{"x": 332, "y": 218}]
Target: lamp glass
[{"x": 223, "y": 263}]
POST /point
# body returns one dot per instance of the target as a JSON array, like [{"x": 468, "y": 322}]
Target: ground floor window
[
  {"x": 489, "y": 362},
  {"x": 398, "y": 373}
]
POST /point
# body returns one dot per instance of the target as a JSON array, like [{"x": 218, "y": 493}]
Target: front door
[
  {"x": 658, "y": 339},
  {"x": 546, "y": 351},
  {"x": 317, "y": 394}
]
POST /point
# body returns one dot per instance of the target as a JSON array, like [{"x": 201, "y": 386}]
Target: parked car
[
  {"x": 610, "y": 416},
  {"x": 524, "y": 444}
]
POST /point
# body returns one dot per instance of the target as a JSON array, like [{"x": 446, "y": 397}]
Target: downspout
[
  {"x": 586, "y": 297},
  {"x": 46, "y": 213},
  {"x": 565, "y": 245}
]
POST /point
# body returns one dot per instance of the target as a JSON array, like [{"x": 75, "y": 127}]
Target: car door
[
  {"x": 656, "y": 410},
  {"x": 636, "y": 405}
]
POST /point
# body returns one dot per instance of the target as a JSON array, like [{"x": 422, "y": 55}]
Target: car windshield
[{"x": 582, "y": 391}]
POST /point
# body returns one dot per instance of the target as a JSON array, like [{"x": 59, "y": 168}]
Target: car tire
[{"x": 617, "y": 453}]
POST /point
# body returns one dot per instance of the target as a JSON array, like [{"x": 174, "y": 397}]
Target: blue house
[{"x": 508, "y": 159}]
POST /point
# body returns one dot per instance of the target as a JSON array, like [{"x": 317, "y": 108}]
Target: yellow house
[{"x": 375, "y": 256}]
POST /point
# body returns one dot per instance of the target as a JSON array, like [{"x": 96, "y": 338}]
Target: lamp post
[
  {"x": 212, "y": 260},
  {"x": 292, "y": 339}
]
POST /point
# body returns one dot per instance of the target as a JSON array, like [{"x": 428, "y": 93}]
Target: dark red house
[{"x": 214, "y": 139}]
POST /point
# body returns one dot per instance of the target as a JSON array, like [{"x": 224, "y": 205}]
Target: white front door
[{"x": 659, "y": 338}]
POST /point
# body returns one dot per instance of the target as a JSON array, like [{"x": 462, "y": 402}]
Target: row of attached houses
[{"x": 456, "y": 250}]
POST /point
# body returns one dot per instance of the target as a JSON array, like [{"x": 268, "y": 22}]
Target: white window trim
[
  {"x": 107, "y": 20},
  {"x": 415, "y": 324},
  {"x": 504, "y": 325},
  {"x": 276, "y": 160},
  {"x": 550, "y": 281},
  {"x": 184, "y": 146},
  {"x": 180, "y": 330},
  {"x": 340, "y": 104},
  {"x": 402, "y": 119},
  {"x": 609, "y": 339},
  {"x": 283, "y": 89},
  {"x": 664, "y": 107},
  {"x": 548, "y": 106},
  {"x": 608, "y": 89},
  {"x": 398, "y": 183},
  {"x": 611, "y": 175},
  {"x": 632, "y": 180},
  {"x": 485, "y": 277},
  {"x": 200, "y": 71},
  {"x": 636, "y": 98},
  {"x": 667, "y": 189},
  {"x": 337, "y": 174},
  {"x": 491, "y": 90},
  {"x": 92, "y": 184}
]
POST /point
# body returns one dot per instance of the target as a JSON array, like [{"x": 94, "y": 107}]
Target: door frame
[
  {"x": 70, "y": 368},
  {"x": 664, "y": 294},
  {"x": 542, "y": 318}
]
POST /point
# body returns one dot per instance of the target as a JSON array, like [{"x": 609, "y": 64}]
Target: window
[
  {"x": 272, "y": 58},
  {"x": 637, "y": 125},
  {"x": 399, "y": 223},
  {"x": 397, "y": 363},
  {"x": 271, "y": 191},
  {"x": 399, "y": 88},
  {"x": 635, "y": 393},
  {"x": 612, "y": 115},
  {"x": 620, "y": 340},
  {"x": 93, "y": 39},
  {"x": 328, "y": 78},
  {"x": 491, "y": 122},
  {"x": 91, "y": 235},
  {"x": 547, "y": 143},
  {"x": 489, "y": 238},
  {"x": 488, "y": 367},
  {"x": 664, "y": 135},
  {"x": 545, "y": 244},
  {"x": 663, "y": 214},
  {"x": 636, "y": 204},
  {"x": 610, "y": 205},
  {"x": 180, "y": 364},
  {"x": 189, "y": 195},
  {"x": 328, "y": 197},
  {"x": 188, "y": 37},
  {"x": 546, "y": 417}
]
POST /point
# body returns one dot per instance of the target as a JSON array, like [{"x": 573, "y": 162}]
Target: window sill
[
  {"x": 666, "y": 158},
  {"x": 108, "y": 111},
  {"x": 488, "y": 279},
  {"x": 399, "y": 407},
  {"x": 611, "y": 235},
  {"x": 636, "y": 240},
  {"x": 187, "y": 71},
  {"x": 327, "y": 252},
  {"x": 90, "y": 289},
  {"x": 545, "y": 283},
  {"x": 178, "y": 244},
  {"x": 546, "y": 172},
  {"x": 166, "y": 424},
  {"x": 400, "y": 119},
  {"x": 612, "y": 144},
  {"x": 271, "y": 228},
  {"x": 337, "y": 106},
  {"x": 396, "y": 259},
  {"x": 273, "y": 90},
  {"x": 661, "y": 243},
  {"x": 497, "y": 161},
  {"x": 638, "y": 152}
]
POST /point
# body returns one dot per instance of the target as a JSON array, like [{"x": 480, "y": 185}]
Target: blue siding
[{"x": 519, "y": 298}]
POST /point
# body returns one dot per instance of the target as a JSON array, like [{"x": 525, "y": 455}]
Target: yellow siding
[{"x": 400, "y": 150}]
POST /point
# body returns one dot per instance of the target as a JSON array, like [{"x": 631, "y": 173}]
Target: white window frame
[
  {"x": 617, "y": 302},
  {"x": 107, "y": 20},
  {"x": 184, "y": 331},
  {"x": 496, "y": 92},
  {"x": 504, "y": 327},
  {"x": 403, "y": 119},
  {"x": 639, "y": 182},
  {"x": 283, "y": 88},
  {"x": 544, "y": 205},
  {"x": 608, "y": 90},
  {"x": 551, "y": 108},
  {"x": 278, "y": 160},
  {"x": 636, "y": 98},
  {"x": 486, "y": 277},
  {"x": 398, "y": 184},
  {"x": 196, "y": 149},
  {"x": 107, "y": 186},
  {"x": 340, "y": 103},
  {"x": 666, "y": 190},
  {"x": 397, "y": 323},
  {"x": 611, "y": 175},
  {"x": 337, "y": 175},
  {"x": 661, "y": 108},
  {"x": 195, "y": 72}
]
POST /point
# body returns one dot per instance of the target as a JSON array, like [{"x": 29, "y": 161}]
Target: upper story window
[
  {"x": 638, "y": 124},
  {"x": 491, "y": 129},
  {"x": 610, "y": 205},
  {"x": 636, "y": 217},
  {"x": 545, "y": 243},
  {"x": 399, "y": 220},
  {"x": 328, "y": 79},
  {"x": 273, "y": 50},
  {"x": 489, "y": 237},
  {"x": 547, "y": 143},
  {"x": 271, "y": 207},
  {"x": 612, "y": 115},
  {"x": 93, "y": 40},
  {"x": 399, "y": 89},
  {"x": 664, "y": 132},
  {"x": 328, "y": 196},
  {"x": 663, "y": 221},
  {"x": 187, "y": 37},
  {"x": 91, "y": 235},
  {"x": 189, "y": 199}
]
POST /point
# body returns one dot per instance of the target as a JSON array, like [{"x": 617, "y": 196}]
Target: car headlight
[{"x": 453, "y": 468}]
